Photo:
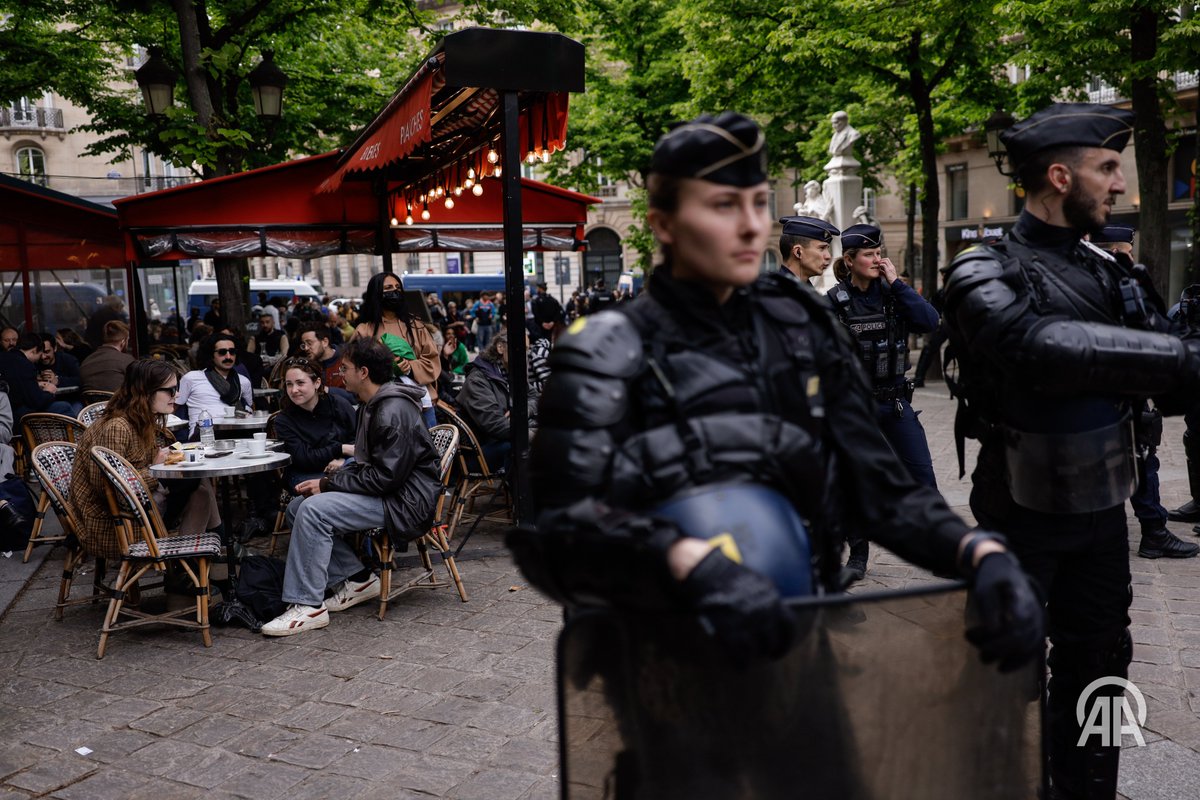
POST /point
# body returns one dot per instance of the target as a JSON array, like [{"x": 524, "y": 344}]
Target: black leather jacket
[{"x": 394, "y": 458}]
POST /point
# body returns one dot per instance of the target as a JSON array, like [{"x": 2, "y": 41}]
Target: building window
[
  {"x": 869, "y": 203},
  {"x": 1183, "y": 172},
  {"x": 956, "y": 188},
  {"x": 31, "y": 165}
]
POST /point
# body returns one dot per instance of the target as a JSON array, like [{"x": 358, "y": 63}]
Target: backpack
[
  {"x": 259, "y": 591},
  {"x": 16, "y": 535}
]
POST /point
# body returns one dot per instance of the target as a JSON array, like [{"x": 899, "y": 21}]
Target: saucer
[{"x": 254, "y": 455}]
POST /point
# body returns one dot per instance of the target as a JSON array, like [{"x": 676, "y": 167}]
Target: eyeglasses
[
  {"x": 171, "y": 390},
  {"x": 226, "y": 351}
]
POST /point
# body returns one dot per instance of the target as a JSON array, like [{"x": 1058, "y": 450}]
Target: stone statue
[
  {"x": 815, "y": 203},
  {"x": 844, "y": 136},
  {"x": 863, "y": 217}
]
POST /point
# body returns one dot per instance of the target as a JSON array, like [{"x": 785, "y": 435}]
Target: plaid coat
[{"x": 97, "y": 530}]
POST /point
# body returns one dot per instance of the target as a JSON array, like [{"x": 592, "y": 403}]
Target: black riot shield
[{"x": 881, "y": 698}]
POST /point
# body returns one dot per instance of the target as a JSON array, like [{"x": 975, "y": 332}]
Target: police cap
[
  {"x": 729, "y": 149},
  {"x": 809, "y": 227},
  {"x": 1112, "y": 234},
  {"x": 858, "y": 236},
  {"x": 1068, "y": 125}
]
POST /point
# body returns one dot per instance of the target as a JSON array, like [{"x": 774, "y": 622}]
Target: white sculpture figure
[
  {"x": 815, "y": 203},
  {"x": 863, "y": 217},
  {"x": 844, "y": 136}
]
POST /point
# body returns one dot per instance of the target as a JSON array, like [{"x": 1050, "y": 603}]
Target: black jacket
[
  {"x": 484, "y": 400},
  {"x": 314, "y": 438},
  {"x": 23, "y": 389},
  {"x": 394, "y": 458}
]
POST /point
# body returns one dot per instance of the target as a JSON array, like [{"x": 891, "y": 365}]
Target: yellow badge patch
[
  {"x": 577, "y": 325},
  {"x": 728, "y": 547},
  {"x": 813, "y": 386}
]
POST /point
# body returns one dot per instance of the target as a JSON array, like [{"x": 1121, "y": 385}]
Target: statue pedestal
[{"x": 844, "y": 190}]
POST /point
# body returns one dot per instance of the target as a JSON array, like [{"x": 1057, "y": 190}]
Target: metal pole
[{"x": 514, "y": 297}]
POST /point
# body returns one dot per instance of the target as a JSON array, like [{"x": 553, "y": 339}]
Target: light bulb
[
  {"x": 493, "y": 156},
  {"x": 458, "y": 191},
  {"x": 477, "y": 189},
  {"x": 408, "y": 220},
  {"x": 471, "y": 174},
  {"x": 496, "y": 172},
  {"x": 531, "y": 157},
  {"x": 395, "y": 222},
  {"x": 468, "y": 183},
  {"x": 545, "y": 156},
  {"x": 425, "y": 214},
  {"x": 449, "y": 203}
]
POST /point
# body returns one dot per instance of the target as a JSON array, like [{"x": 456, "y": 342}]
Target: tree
[
  {"x": 1135, "y": 47},
  {"x": 343, "y": 60}
]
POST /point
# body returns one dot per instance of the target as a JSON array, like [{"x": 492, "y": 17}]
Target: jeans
[
  {"x": 483, "y": 335},
  {"x": 319, "y": 557}
]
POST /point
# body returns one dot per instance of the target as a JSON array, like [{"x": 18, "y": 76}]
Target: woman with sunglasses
[
  {"x": 385, "y": 319},
  {"x": 132, "y": 426},
  {"x": 316, "y": 428}
]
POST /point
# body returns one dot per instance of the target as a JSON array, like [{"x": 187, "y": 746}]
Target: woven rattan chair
[
  {"x": 92, "y": 413},
  {"x": 53, "y": 463},
  {"x": 91, "y": 396},
  {"x": 473, "y": 479},
  {"x": 445, "y": 440},
  {"x": 40, "y": 428},
  {"x": 146, "y": 546}
]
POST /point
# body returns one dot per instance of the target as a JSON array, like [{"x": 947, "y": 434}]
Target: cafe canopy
[{"x": 43, "y": 229}]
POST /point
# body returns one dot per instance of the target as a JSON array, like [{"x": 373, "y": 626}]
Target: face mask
[{"x": 393, "y": 301}]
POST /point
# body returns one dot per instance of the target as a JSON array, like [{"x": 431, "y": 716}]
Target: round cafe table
[
  {"x": 235, "y": 463},
  {"x": 240, "y": 424}
]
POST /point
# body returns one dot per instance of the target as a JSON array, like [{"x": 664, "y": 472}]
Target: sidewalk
[{"x": 442, "y": 698}]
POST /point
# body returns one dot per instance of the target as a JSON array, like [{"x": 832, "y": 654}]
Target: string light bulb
[
  {"x": 545, "y": 156},
  {"x": 395, "y": 222},
  {"x": 408, "y": 220},
  {"x": 496, "y": 172},
  {"x": 477, "y": 189},
  {"x": 531, "y": 157},
  {"x": 449, "y": 203},
  {"x": 492, "y": 155},
  {"x": 425, "y": 214},
  {"x": 471, "y": 174}
]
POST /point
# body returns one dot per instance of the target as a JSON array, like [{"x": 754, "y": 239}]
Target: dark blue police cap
[
  {"x": 809, "y": 227},
  {"x": 1068, "y": 125},
  {"x": 1111, "y": 234},
  {"x": 857, "y": 236},
  {"x": 729, "y": 149}
]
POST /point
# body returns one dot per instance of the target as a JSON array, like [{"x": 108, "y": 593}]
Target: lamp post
[
  {"x": 996, "y": 124},
  {"x": 156, "y": 79},
  {"x": 267, "y": 82}
]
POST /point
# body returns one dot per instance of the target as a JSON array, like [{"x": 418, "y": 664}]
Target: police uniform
[
  {"x": 1057, "y": 348},
  {"x": 812, "y": 228},
  {"x": 674, "y": 392},
  {"x": 880, "y": 319}
]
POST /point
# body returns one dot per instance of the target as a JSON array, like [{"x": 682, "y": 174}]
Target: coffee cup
[
  {"x": 230, "y": 411},
  {"x": 257, "y": 446}
]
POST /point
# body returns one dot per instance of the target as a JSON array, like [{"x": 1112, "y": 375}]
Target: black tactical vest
[{"x": 880, "y": 336}]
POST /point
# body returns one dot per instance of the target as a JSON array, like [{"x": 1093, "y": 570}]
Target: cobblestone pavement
[{"x": 442, "y": 698}]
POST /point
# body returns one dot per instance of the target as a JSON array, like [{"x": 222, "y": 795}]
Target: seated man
[
  {"x": 104, "y": 369},
  {"x": 391, "y": 483},
  {"x": 26, "y": 391},
  {"x": 58, "y": 367},
  {"x": 216, "y": 385},
  {"x": 316, "y": 342},
  {"x": 269, "y": 342}
]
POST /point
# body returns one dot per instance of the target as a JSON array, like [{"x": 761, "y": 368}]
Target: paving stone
[
  {"x": 311, "y": 716},
  {"x": 52, "y": 773},
  {"x": 264, "y": 781},
  {"x": 16, "y": 757},
  {"x": 167, "y": 721},
  {"x": 429, "y": 774},
  {"x": 326, "y": 785},
  {"x": 527, "y": 755},
  {"x": 494, "y": 784},
  {"x": 369, "y": 761},
  {"x": 214, "y": 729},
  {"x": 468, "y": 745},
  {"x": 314, "y": 751},
  {"x": 103, "y": 785}
]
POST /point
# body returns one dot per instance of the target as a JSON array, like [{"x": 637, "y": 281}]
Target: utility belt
[
  {"x": 903, "y": 391},
  {"x": 1071, "y": 473}
]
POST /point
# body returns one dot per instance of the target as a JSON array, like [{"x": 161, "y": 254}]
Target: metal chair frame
[
  {"x": 471, "y": 484},
  {"x": 40, "y": 428}
]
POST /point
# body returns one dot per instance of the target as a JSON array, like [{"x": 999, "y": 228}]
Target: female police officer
[{"x": 714, "y": 375}]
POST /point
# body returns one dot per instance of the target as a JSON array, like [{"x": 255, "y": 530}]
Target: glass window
[
  {"x": 1183, "y": 172},
  {"x": 31, "y": 165},
  {"x": 956, "y": 188}
]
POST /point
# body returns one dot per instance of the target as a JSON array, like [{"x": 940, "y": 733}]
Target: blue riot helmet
[{"x": 753, "y": 525}]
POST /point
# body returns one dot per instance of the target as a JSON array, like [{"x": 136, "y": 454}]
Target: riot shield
[{"x": 881, "y": 698}]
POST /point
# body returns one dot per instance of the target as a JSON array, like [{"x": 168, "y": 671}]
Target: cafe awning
[
  {"x": 276, "y": 211},
  {"x": 44, "y": 229}
]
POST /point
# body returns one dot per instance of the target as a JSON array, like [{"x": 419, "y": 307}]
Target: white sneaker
[
  {"x": 297, "y": 619},
  {"x": 351, "y": 593}
]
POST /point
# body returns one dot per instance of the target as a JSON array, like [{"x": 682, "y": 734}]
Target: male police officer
[
  {"x": 1057, "y": 348},
  {"x": 804, "y": 246}
]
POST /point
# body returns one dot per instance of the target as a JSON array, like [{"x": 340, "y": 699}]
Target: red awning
[
  {"x": 44, "y": 229},
  {"x": 277, "y": 211}
]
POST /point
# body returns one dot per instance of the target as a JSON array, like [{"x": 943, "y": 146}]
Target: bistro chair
[
  {"x": 91, "y": 396},
  {"x": 285, "y": 496},
  {"x": 40, "y": 428},
  {"x": 145, "y": 545},
  {"x": 445, "y": 440},
  {"x": 472, "y": 480},
  {"x": 53, "y": 463},
  {"x": 92, "y": 413}
]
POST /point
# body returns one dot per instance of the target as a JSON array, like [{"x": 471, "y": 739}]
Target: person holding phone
[{"x": 880, "y": 310}]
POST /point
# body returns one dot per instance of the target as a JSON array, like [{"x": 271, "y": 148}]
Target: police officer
[
  {"x": 1057, "y": 348},
  {"x": 1157, "y": 541},
  {"x": 599, "y": 298},
  {"x": 714, "y": 375},
  {"x": 879, "y": 310},
  {"x": 804, "y": 246}
]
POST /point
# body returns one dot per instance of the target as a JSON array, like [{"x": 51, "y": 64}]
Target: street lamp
[
  {"x": 156, "y": 79},
  {"x": 267, "y": 82},
  {"x": 996, "y": 124}
]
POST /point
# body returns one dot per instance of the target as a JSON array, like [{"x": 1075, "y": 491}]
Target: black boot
[
  {"x": 856, "y": 567},
  {"x": 1189, "y": 511},
  {"x": 1158, "y": 542}
]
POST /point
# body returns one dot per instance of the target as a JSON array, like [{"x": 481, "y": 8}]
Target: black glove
[
  {"x": 742, "y": 608},
  {"x": 1011, "y": 623}
]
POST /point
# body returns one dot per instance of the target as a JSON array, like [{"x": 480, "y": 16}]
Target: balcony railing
[
  {"x": 1108, "y": 94},
  {"x": 32, "y": 118}
]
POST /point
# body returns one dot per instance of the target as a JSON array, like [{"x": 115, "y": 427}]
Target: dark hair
[
  {"x": 115, "y": 331},
  {"x": 134, "y": 398},
  {"x": 789, "y": 240},
  {"x": 70, "y": 337},
  {"x": 662, "y": 192},
  {"x": 841, "y": 267},
  {"x": 48, "y": 338},
  {"x": 491, "y": 352},
  {"x": 1032, "y": 175},
  {"x": 29, "y": 341},
  {"x": 372, "y": 300},
  {"x": 208, "y": 347},
  {"x": 321, "y": 330},
  {"x": 310, "y": 368},
  {"x": 364, "y": 352}
]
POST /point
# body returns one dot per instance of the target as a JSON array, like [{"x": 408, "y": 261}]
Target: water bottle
[{"x": 205, "y": 423}]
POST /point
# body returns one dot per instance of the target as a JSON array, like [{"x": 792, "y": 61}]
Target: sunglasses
[
  {"x": 171, "y": 390},
  {"x": 226, "y": 351}
]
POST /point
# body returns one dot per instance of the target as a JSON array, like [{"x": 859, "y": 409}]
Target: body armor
[{"x": 880, "y": 335}]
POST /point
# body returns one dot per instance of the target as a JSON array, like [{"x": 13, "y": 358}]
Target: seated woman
[
  {"x": 485, "y": 400},
  {"x": 131, "y": 426},
  {"x": 315, "y": 427}
]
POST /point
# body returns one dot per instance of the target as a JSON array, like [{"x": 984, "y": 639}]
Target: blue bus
[{"x": 458, "y": 288}]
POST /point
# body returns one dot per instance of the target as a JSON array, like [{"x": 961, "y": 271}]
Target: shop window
[{"x": 956, "y": 188}]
